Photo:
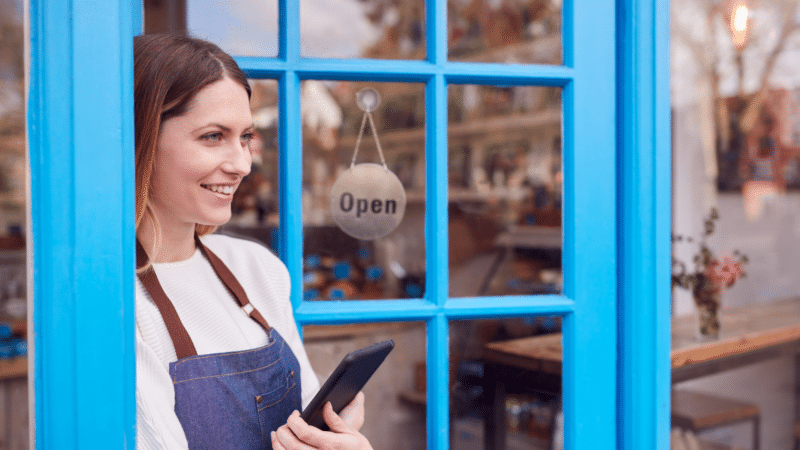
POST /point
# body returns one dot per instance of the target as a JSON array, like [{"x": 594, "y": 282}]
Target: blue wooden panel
[
  {"x": 421, "y": 309},
  {"x": 436, "y": 229},
  {"x": 290, "y": 161},
  {"x": 438, "y": 383},
  {"x": 80, "y": 126},
  {"x": 408, "y": 71},
  {"x": 589, "y": 253},
  {"x": 645, "y": 216}
]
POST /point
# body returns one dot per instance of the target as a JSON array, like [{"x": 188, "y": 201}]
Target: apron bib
[{"x": 229, "y": 400}]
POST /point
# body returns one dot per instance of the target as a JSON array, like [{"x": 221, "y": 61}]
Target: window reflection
[
  {"x": 507, "y": 31},
  {"x": 13, "y": 273},
  {"x": 736, "y": 151},
  {"x": 240, "y": 27},
  {"x": 505, "y": 190},
  {"x": 379, "y": 29},
  {"x": 505, "y": 383},
  {"x": 338, "y": 266}
]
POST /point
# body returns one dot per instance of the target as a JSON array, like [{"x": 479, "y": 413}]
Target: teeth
[{"x": 221, "y": 189}]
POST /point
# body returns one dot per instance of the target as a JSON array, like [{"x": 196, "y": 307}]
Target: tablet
[{"x": 344, "y": 383}]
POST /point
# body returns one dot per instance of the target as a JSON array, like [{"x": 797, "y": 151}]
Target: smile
[{"x": 219, "y": 188}]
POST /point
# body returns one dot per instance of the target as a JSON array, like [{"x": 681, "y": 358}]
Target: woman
[{"x": 220, "y": 363}]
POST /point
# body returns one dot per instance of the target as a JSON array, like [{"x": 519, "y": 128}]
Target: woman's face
[{"x": 201, "y": 156}]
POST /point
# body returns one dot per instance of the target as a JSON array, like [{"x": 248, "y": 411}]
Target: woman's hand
[
  {"x": 343, "y": 434},
  {"x": 353, "y": 413}
]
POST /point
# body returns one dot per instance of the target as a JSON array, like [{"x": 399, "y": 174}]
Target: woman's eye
[
  {"x": 247, "y": 137},
  {"x": 211, "y": 137}
]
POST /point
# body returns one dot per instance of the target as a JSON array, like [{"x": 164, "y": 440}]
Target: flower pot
[{"x": 707, "y": 299}]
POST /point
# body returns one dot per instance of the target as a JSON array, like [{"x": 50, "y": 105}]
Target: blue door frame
[{"x": 616, "y": 218}]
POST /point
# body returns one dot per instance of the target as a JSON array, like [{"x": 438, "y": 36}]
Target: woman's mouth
[{"x": 219, "y": 188}]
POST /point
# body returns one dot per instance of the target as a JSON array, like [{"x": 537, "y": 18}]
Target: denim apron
[{"x": 227, "y": 400}]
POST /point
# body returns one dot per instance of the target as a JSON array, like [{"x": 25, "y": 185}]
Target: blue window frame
[{"x": 616, "y": 215}]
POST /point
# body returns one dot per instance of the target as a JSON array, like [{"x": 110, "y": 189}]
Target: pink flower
[{"x": 724, "y": 272}]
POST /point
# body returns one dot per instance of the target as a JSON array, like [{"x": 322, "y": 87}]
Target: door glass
[
  {"x": 736, "y": 245},
  {"x": 255, "y": 203},
  {"x": 13, "y": 240},
  {"x": 505, "y": 190},
  {"x": 377, "y": 29},
  {"x": 505, "y": 383},
  {"x": 240, "y": 27},
  {"x": 395, "y": 396},
  {"x": 505, "y": 31},
  {"x": 344, "y": 266}
]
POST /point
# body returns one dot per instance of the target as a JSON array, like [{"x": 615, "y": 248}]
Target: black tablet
[{"x": 344, "y": 383}]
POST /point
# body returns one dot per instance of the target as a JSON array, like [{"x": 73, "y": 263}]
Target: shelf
[
  {"x": 13, "y": 368},
  {"x": 8, "y": 257},
  {"x": 501, "y": 125},
  {"x": 323, "y": 332}
]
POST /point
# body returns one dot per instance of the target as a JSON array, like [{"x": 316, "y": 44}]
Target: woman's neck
[{"x": 176, "y": 240}]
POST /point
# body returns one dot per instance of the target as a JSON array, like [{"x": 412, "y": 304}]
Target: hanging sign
[{"x": 368, "y": 201}]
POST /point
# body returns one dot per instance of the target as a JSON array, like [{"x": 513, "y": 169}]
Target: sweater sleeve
[{"x": 158, "y": 427}]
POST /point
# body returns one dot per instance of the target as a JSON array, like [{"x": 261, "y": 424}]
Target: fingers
[
  {"x": 285, "y": 439},
  {"x": 304, "y": 432},
  {"x": 335, "y": 423},
  {"x": 353, "y": 414},
  {"x": 276, "y": 444}
]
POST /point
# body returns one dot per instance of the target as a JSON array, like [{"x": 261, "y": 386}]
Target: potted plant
[{"x": 710, "y": 275}]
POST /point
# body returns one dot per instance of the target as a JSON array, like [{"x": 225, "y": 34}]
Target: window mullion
[{"x": 290, "y": 176}]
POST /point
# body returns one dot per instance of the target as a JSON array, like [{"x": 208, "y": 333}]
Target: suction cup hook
[{"x": 368, "y": 99}]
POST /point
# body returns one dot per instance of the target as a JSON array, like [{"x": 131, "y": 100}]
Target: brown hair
[{"x": 168, "y": 71}]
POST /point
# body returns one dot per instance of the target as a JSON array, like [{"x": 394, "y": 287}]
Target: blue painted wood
[
  {"x": 589, "y": 252},
  {"x": 436, "y": 237},
  {"x": 408, "y": 71},
  {"x": 645, "y": 216},
  {"x": 509, "y": 306},
  {"x": 289, "y": 30},
  {"x": 290, "y": 177},
  {"x": 420, "y": 309},
  {"x": 436, "y": 32},
  {"x": 438, "y": 383},
  {"x": 81, "y": 155}
]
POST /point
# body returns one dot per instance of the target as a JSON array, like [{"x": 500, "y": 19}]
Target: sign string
[{"x": 368, "y": 115}]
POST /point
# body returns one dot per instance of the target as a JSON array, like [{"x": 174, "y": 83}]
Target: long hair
[{"x": 168, "y": 71}]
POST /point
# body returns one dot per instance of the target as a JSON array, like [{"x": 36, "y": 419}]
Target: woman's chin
[{"x": 215, "y": 220}]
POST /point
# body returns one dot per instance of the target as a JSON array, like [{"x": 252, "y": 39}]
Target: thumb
[{"x": 335, "y": 423}]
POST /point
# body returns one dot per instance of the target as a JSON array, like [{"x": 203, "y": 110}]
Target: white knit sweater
[{"x": 215, "y": 323}]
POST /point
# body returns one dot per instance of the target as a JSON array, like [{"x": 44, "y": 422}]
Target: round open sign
[{"x": 368, "y": 201}]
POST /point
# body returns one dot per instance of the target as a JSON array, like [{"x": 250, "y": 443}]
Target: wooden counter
[{"x": 748, "y": 335}]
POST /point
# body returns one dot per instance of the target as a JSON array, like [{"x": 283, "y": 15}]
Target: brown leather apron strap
[
  {"x": 177, "y": 332},
  {"x": 232, "y": 284}
]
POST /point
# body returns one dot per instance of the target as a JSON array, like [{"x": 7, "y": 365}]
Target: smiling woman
[
  {"x": 214, "y": 321},
  {"x": 200, "y": 159}
]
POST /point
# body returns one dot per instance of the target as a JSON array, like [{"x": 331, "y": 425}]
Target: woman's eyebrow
[
  {"x": 226, "y": 128},
  {"x": 222, "y": 127}
]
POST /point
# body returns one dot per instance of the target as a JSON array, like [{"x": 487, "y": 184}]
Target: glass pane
[
  {"x": 240, "y": 27},
  {"x": 338, "y": 265},
  {"x": 736, "y": 193},
  {"x": 505, "y": 31},
  {"x": 378, "y": 29},
  {"x": 255, "y": 204},
  {"x": 505, "y": 190},
  {"x": 505, "y": 378},
  {"x": 395, "y": 395},
  {"x": 13, "y": 273}
]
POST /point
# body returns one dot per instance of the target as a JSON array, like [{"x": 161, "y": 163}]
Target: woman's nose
[{"x": 240, "y": 160}]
